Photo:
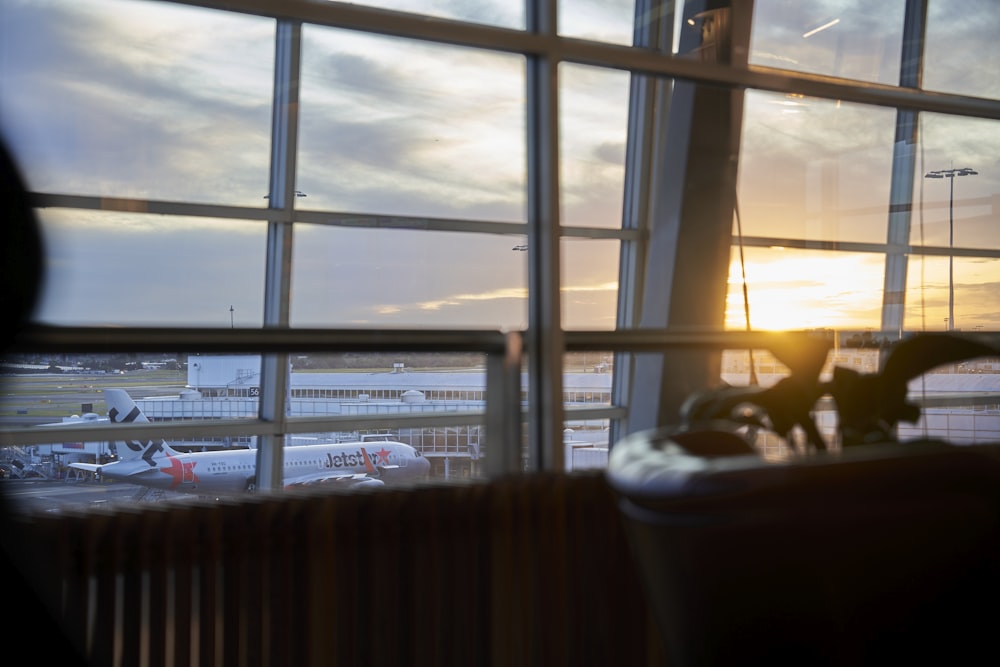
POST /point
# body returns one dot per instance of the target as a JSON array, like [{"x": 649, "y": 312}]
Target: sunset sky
[{"x": 147, "y": 100}]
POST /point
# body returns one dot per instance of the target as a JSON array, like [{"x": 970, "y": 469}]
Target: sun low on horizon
[{"x": 790, "y": 290}]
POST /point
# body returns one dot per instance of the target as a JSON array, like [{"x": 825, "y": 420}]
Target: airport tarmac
[
  {"x": 47, "y": 398},
  {"x": 29, "y": 496}
]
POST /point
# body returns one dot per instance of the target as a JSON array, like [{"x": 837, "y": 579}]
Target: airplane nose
[{"x": 424, "y": 465}]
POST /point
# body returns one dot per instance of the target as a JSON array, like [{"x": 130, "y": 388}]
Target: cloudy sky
[{"x": 133, "y": 99}]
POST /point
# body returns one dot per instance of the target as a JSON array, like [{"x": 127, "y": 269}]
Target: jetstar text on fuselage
[{"x": 354, "y": 459}]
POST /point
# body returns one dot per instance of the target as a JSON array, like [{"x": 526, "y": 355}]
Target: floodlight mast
[{"x": 950, "y": 174}]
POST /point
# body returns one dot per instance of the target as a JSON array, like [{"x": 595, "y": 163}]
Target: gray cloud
[{"x": 84, "y": 120}]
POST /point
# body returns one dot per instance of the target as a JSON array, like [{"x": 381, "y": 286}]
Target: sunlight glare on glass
[{"x": 791, "y": 290}]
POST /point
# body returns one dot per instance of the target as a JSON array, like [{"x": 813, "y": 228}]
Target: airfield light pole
[
  {"x": 232, "y": 322},
  {"x": 950, "y": 174}
]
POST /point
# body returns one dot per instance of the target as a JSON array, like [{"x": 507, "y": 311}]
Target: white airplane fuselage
[
  {"x": 157, "y": 465},
  {"x": 235, "y": 471}
]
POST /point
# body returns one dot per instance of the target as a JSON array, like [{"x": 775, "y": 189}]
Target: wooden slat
[{"x": 453, "y": 574}]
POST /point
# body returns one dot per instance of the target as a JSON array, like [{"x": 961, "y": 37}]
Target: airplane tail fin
[
  {"x": 123, "y": 410},
  {"x": 121, "y": 407}
]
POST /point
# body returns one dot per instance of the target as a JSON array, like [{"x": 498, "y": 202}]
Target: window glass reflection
[
  {"x": 598, "y": 20},
  {"x": 138, "y": 99},
  {"x": 491, "y": 12},
  {"x": 127, "y": 269},
  {"x": 967, "y": 205},
  {"x": 815, "y": 169},
  {"x": 856, "y": 40},
  {"x": 399, "y": 127},
  {"x": 391, "y": 277},
  {"x": 961, "y": 48}
]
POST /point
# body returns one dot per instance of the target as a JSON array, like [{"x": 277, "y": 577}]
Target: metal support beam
[
  {"x": 503, "y": 409},
  {"x": 274, "y": 372},
  {"x": 649, "y": 109},
  {"x": 904, "y": 159},
  {"x": 545, "y": 336},
  {"x": 691, "y": 220}
]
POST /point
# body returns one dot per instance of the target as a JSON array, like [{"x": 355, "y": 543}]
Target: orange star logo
[
  {"x": 180, "y": 472},
  {"x": 383, "y": 456}
]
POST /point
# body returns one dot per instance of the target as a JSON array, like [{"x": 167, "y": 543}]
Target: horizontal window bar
[
  {"x": 43, "y": 338},
  {"x": 44, "y": 434},
  {"x": 416, "y": 26},
  {"x": 329, "y": 218},
  {"x": 854, "y": 246}
]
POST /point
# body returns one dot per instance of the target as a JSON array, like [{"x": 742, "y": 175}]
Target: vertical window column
[
  {"x": 691, "y": 218},
  {"x": 545, "y": 336},
  {"x": 274, "y": 372}
]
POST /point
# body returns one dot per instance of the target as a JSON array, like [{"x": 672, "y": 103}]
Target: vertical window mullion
[
  {"x": 274, "y": 372},
  {"x": 545, "y": 339},
  {"x": 691, "y": 218},
  {"x": 904, "y": 154},
  {"x": 649, "y": 104}
]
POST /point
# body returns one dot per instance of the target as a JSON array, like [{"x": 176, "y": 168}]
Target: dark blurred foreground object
[
  {"x": 886, "y": 553},
  {"x": 27, "y": 599},
  {"x": 871, "y": 405},
  {"x": 21, "y": 263}
]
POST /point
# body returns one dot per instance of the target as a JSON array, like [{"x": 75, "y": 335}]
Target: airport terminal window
[
  {"x": 95, "y": 257},
  {"x": 431, "y": 112},
  {"x": 117, "y": 98},
  {"x": 863, "y": 42},
  {"x": 815, "y": 169},
  {"x": 470, "y": 177},
  {"x": 399, "y": 278},
  {"x": 593, "y": 127}
]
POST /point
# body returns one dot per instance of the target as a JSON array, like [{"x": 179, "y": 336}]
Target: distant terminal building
[
  {"x": 221, "y": 386},
  {"x": 227, "y": 386},
  {"x": 238, "y": 376}
]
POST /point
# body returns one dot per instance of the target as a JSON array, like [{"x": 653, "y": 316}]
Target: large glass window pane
[
  {"x": 845, "y": 38},
  {"x": 599, "y": 20},
  {"x": 815, "y": 169},
  {"x": 398, "y": 127},
  {"x": 961, "y": 48},
  {"x": 398, "y": 278},
  {"x": 137, "y": 99},
  {"x": 966, "y": 204},
  {"x": 586, "y": 443},
  {"x": 492, "y": 12},
  {"x": 590, "y": 283},
  {"x": 593, "y": 126},
  {"x": 587, "y": 380},
  {"x": 126, "y": 269},
  {"x": 972, "y": 290},
  {"x": 64, "y": 392}
]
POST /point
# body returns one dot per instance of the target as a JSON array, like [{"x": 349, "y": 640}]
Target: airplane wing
[
  {"x": 89, "y": 467},
  {"x": 124, "y": 470},
  {"x": 339, "y": 479}
]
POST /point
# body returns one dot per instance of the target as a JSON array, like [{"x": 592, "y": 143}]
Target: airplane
[
  {"x": 73, "y": 420},
  {"x": 157, "y": 465}
]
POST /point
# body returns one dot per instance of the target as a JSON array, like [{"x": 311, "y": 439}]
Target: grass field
[{"x": 62, "y": 395}]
